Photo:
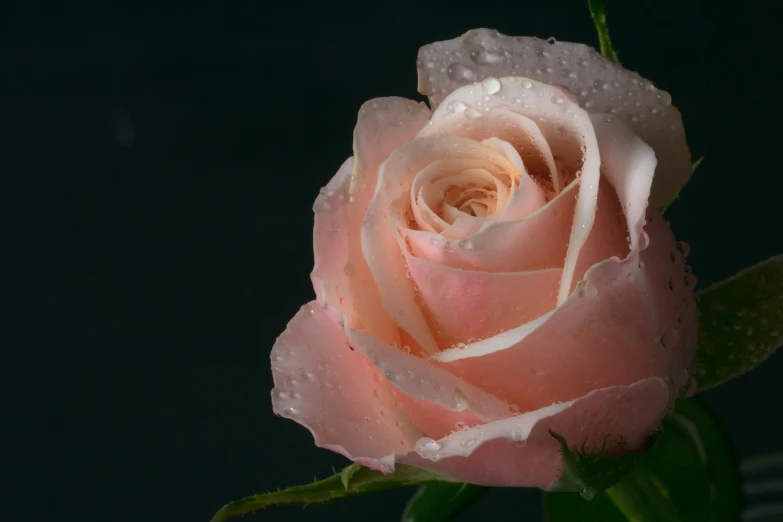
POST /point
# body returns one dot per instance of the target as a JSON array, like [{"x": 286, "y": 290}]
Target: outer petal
[
  {"x": 519, "y": 451},
  {"x": 437, "y": 401},
  {"x": 341, "y": 276},
  {"x": 599, "y": 84},
  {"x": 333, "y": 391}
]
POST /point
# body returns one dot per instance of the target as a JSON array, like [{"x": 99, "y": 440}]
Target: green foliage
[
  {"x": 441, "y": 501},
  {"x": 741, "y": 323},
  {"x": 353, "y": 480},
  {"x": 690, "y": 475},
  {"x": 599, "y": 19}
]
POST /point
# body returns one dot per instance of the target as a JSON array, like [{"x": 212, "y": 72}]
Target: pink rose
[{"x": 496, "y": 268}]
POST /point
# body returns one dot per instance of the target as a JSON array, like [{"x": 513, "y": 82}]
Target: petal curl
[
  {"x": 323, "y": 385},
  {"x": 538, "y": 241},
  {"x": 341, "y": 277},
  {"x": 630, "y": 319},
  {"x": 437, "y": 401},
  {"x": 388, "y": 216},
  {"x": 600, "y": 85},
  {"x": 519, "y": 451},
  {"x": 566, "y": 128}
]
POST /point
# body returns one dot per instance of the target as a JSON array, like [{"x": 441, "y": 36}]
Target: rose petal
[
  {"x": 387, "y": 217},
  {"x": 566, "y": 128},
  {"x": 323, "y": 385},
  {"x": 466, "y": 305},
  {"x": 538, "y": 241},
  {"x": 519, "y": 451},
  {"x": 599, "y": 84},
  {"x": 610, "y": 234},
  {"x": 437, "y": 401},
  {"x": 619, "y": 327},
  {"x": 341, "y": 277}
]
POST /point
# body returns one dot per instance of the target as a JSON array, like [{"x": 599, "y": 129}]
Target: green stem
[
  {"x": 598, "y": 14},
  {"x": 641, "y": 497}
]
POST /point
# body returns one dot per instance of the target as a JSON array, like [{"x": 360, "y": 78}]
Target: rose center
[{"x": 473, "y": 200}]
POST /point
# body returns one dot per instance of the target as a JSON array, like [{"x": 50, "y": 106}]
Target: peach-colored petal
[
  {"x": 519, "y": 451},
  {"x": 567, "y": 130},
  {"x": 610, "y": 235},
  {"x": 437, "y": 401},
  {"x": 469, "y": 305},
  {"x": 536, "y": 242},
  {"x": 388, "y": 215},
  {"x": 333, "y": 391},
  {"x": 341, "y": 277},
  {"x": 627, "y": 322},
  {"x": 600, "y": 85}
]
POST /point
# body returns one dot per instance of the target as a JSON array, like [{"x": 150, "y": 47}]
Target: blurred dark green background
[{"x": 158, "y": 165}]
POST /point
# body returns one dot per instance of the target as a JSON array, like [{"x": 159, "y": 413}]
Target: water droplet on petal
[
  {"x": 457, "y": 72},
  {"x": 467, "y": 443},
  {"x": 527, "y": 84},
  {"x": 456, "y": 106},
  {"x": 491, "y": 85},
  {"x": 485, "y": 57},
  {"x": 669, "y": 339},
  {"x": 551, "y": 40},
  {"x": 472, "y": 114},
  {"x": 427, "y": 448},
  {"x": 664, "y": 98}
]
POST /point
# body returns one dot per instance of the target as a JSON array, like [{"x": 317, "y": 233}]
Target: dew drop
[
  {"x": 527, "y": 84},
  {"x": 457, "y": 72},
  {"x": 467, "y": 244},
  {"x": 664, "y": 98},
  {"x": 427, "y": 448},
  {"x": 485, "y": 57},
  {"x": 456, "y": 106},
  {"x": 669, "y": 339},
  {"x": 472, "y": 114},
  {"x": 588, "y": 493},
  {"x": 467, "y": 443},
  {"x": 491, "y": 85},
  {"x": 349, "y": 270},
  {"x": 683, "y": 248},
  {"x": 592, "y": 291}
]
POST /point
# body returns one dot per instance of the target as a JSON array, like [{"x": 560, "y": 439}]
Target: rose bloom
[{"x": 496, "y": 268}]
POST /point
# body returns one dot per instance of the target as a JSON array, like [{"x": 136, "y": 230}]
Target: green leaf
[
  {"x": 353, "y": 480},
  {"x": 599, "y": 19},
  {"x": 692, "y": 468},
  {"x": 741, "y": 323},
  {"x": 590, "y": 472},
  {"x": 441, "y": 502},
  {"x": 695, "y": 166}
]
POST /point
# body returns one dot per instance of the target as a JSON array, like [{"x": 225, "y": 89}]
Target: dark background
[{"x": 158, "y": 166}]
